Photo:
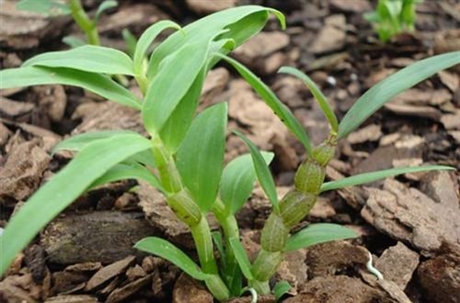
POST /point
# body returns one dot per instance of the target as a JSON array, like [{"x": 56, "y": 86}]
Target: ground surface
[{"x": 410, "y": 224}]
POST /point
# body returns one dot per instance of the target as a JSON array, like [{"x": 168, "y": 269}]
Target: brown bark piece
[
  {"x": 101, "y": 236},
  {"x": 398, "y": 264},
  {"x": 161, "y": 217},
  {"x": 262, "y": 45},
  {"x": 188, "y": 290},
  {"x": 213, "y": 86},
  {"x": 439, "y": 278},
  {"x": 208, "y": 7},
  {"x": 23, "y": 30},
  {"x": 293, "y": 270},
  {"x": 451, "y": 121},
  {"x": 128, "y": 290},
  {"x": 20, "y": 289},
  {"x": 65, "y": 282},
  {"x": 23, "y": 170},
  {"x": 407, "y": 147},
  {"x": 108, "y": 272},
  {"x": 417, "y": 111},
  {"x": 329, "y": 39},
  {"x": 338, "y": 289},
  {"x": 409, "y": 215},
  {"x": 332, "y": 257},
  {"x": 72, "y": 299},
  {"x": 450, "y": 80},
  {"x": 52, "y": 99},
  {"x": 107, "y": 116},
  {"x": 14, "y": 109},
  {"x": 371, "y": 132},
  {"x": 355, "y": 6},
  {"x": 139, "y": 15}
]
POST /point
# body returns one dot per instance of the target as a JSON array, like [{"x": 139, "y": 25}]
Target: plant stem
[
  {"x": 84, "y": 22},
  {"x": 230, "y": 228},
  {"x": 294, "y": 206},
  {"x": 180, "y": 201}
]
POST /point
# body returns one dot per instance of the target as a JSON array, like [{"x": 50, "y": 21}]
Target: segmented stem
[
  {"x": 294, "y": 206},
  {"x": 187, "y": 210}
]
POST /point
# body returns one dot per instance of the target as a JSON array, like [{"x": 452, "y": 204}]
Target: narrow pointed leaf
[
  {"x": 176, "y": 75},
  {"x": 319, "y": 233},
  {"x": 124, "y": 171},
  {"x": 73, "y": 41},
  {"x": 173, "y": 131},
  {"x": 388, "y": 88},
  {"x": 377, "y": 175},
  {"x": 200, "y": 156},
  {"x": 78, "y": 142},
  {"x": 238, "y": 181},
  {"x": 262, "y": 171},
  {"x": 88, "y": 58},
  {"x": 280, "y": 109},
  {"x": 107, "y": 4},
  {"x": 130, "y": 41},
  {"x": 45, "y": 7},
  {"x": 168, "y": 251},
  {"x": 281, "y": 288},
  {"x": 98, "y": 84},
  {"x": 242, "y": 258},
  {"x": 146, "y": 39},
  {"x": 58, "y": 193},
  {"x": 316, "y": 92},
  {"x": 239, "y": 23}
]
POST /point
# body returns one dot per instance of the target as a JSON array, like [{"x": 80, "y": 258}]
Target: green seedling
[
  {"x": 87, "y": 25},
  {"x": 184, "y": 154},
  {"x": 74, "y": 8},
  {"x": 393, "y": 17}
]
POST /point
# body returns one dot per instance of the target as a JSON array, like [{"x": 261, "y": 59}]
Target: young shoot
[{"x": 183, "y": 156}]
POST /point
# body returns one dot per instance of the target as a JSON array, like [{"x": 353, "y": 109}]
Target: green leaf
[
  {"x": 388, "y": 88},
  {"x": 234, "y": 23},
  {"x": 88, "y": 58},
  {"x": 58, "y": 193},
  {"x": 73, "y": 41},
  {"x": 281, "y": 288},
  {"x": 45, "y": 7},
  {"x": 123, "y": 171},
  {"x": 98, "y": 84},
  {"x": 318, "y": 233},
  {"x": 377, "y": 175},
  {"x": 146, "y": 39},
  {"x": 218, "y": 241},
  {"x": 168, "y": 251},
  {"x": 262, "y": 171},
  {"x": 176, "y": 75},
  {"x": 281, "y": 110},
  {"x": 241, "y": 258},
  {"x": 200, "y": 157},
  {"x": 316, "y": 92},
  {"x": 130, "y": 41},
  {"x": 78, "y": 142},
  {"x": 173, "y": 131},
  {"x": 238, "y": 181},
  {"x": 107, "y": 4}
]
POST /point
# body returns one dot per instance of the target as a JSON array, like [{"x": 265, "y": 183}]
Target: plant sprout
[
  {"x": 183, "y": 156},
  {"x": 393, "y": 17}
]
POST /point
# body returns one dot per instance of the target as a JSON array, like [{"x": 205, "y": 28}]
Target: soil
[{"x": 409, "y": 224}]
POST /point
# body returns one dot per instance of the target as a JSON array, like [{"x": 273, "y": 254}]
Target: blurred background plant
[{"x": 393, "y": 17}]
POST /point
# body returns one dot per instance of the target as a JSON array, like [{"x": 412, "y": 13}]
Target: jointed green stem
[
  {"x": 294, "y": 206},
  {"x": 180, "y": 201},
  {"x": 230, "y": 228}
]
